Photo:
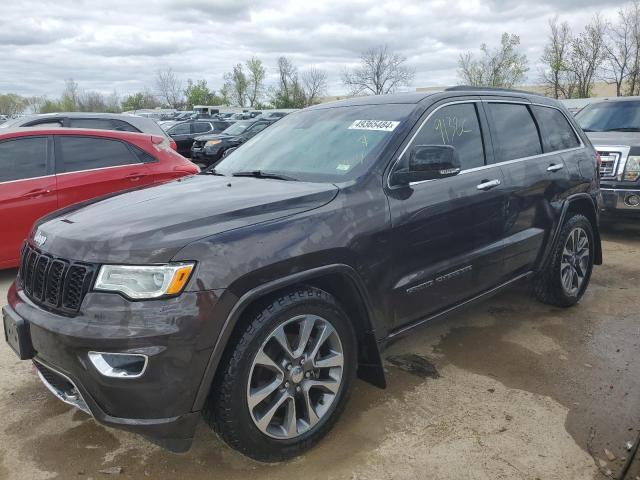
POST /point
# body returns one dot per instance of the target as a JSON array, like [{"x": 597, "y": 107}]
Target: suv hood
[
  {"x": 614, "y": 138},
  {"x": 150, "y": 225},
  {"x": 215, "y": 136}
]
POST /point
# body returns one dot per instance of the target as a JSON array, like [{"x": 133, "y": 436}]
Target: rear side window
[
  {"x": 220, "y": 126},
  {"x": 85, "y": 153},
  {"x": 515, "y": 132},
  {"x": 557, "y": 134},
  {"x": 456, "y": 125},
  {"x": 180, "y": 129},
  {"x": 102, "y": 124},
  {"x": 23, "y": 158},
  {"x": 201, "y": 127}
]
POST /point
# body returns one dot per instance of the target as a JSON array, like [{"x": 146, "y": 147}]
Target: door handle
[
  {"x": 488, "y": 184},
  {"x": 554, "y": 167},
  {"x": 36, "y": 193},
  {"x": 134, "y": 177}
]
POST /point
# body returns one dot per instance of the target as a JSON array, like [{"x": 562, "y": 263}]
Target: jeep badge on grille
[{"x": 40, "y": 238}]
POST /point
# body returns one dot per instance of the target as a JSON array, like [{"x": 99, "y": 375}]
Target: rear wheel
[
  {"x": 287, "y": 377},
  {"x": 567, "y": 275}
]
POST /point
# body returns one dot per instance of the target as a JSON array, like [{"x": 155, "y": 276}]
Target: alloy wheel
[
  {"x": 295, "y": 377},
  {"x": 574, "y": 264}
]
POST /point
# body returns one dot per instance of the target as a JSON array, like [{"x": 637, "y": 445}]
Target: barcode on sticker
[{"x": 380, "y": 125}]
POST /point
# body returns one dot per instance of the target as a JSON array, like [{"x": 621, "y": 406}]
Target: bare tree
[
  {"x": 380, "y": 72},
  {"x": 587, "y": 55},
  {"x": 288, "y": 75},
  {"x": 314, "y": 83},
  {"x": 236, "y": 86},
  {"x": 35, "y": 103},
  {"x": 620, "y": 47},
  {"x": 289, "y": 93},
  {"x": 633, "y": 81},
  {"x": 70, "y": 101},
  {"x": 502, "y": 67},
  {"x": 169, "y": 88},
  {"x": 255, "y": 80},
  {"x": 556, "y": 75}
]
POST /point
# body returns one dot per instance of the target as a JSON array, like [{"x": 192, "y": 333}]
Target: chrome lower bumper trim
[{"x": 73, "y": 398}]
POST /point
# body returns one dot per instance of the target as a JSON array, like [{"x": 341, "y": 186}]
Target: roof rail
[{"x": 461, "y": 88}]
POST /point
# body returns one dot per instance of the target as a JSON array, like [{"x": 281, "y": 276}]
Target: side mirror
[
  {"x": 429, "y": 162},
  {"x": 228, "y": 151}
]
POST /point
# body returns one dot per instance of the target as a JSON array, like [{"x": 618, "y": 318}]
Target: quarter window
[
  {"x": 85, "y": 153},
  {"x": 23, "y": 158},
  {"x": 557, "y": 134},
  {"x": 515, "y": 132},
  {"x": 456, "y": 125}
]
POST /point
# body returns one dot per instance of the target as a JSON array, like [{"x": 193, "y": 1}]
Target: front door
[
  {"x": 88, "y": 167},
  {"x": 447, "y": 232}
]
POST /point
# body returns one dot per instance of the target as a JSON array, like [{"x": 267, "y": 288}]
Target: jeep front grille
[{"x": 55, "y": 283}]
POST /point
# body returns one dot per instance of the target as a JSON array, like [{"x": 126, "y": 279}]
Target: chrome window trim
[
  {"x": 75, "y": 171},
  {"x": 483, "y": 167}
]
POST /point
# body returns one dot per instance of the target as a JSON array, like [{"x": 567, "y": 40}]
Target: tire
[
  {"x": 549, "y": 286},
  {"x": 245, "y": 370}
]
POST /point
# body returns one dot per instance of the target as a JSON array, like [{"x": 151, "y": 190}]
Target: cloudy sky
[{"x": 107, "y": 44}]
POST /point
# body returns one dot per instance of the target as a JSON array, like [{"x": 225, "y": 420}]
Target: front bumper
[
  {"x": 176, "y": 334},
  {"x": 620, "y": 202},
  {"x": 206, "y": 155}
]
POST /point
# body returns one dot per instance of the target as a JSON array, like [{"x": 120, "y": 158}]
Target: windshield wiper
[
  {"x": 211, "y": 171},
  {"x": 264, "y": 174},
  {"x": 623, "y": 129}
]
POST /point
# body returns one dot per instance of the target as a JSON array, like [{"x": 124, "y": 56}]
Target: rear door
[
  {"x": 88, "y": 167},
  {"x": 181, "y": 134},
  {"x": 447, "y": 232},
  {"x": 27, "y": 191},
  {"x": 534, "y": 181}
]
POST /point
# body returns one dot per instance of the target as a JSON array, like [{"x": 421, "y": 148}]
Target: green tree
[
  {"x": 197, "y": 93},
  {"x": 501, "y": 67},
  {"x": 236, "y": 86},
  {"x": 12, "y": 104},
  {"x": 138, "y": 101},
  {"x": 255, "y": 80}
]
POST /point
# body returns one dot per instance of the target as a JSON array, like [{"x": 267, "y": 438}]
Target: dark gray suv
[{"x": 256, "y": 292}]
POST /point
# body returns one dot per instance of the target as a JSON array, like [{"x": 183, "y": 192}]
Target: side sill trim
[{"x": 405, "y": 329}]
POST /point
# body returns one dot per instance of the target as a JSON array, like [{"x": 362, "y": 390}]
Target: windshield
[
  {"x": 237, "y": 128},
  {"x": 610, "y": 116},
  {"x": 324, "y": 145}
]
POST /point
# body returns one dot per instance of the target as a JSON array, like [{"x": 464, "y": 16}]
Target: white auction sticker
[{"x": 379, "y": 125}]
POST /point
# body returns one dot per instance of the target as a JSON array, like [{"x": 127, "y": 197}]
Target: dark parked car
[
  {"x": 209, "y": 149},
  {"x": 272, "y": 116},
  {"x": 184, "y": 133},
  {"x": 96, "y": 121},
  {"x": 613, "y": 126},
  {"x": 256, "y": 292}
]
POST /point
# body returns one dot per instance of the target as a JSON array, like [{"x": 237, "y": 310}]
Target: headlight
[
  {"x": 144, "y": 281},
  {"x": 212, "y": 142},
  {"x": 632, "y": 169}
]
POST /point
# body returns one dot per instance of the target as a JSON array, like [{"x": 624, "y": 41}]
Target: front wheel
[
  {"x": 567, "y": 274},
  {"x": 287, "y": 377}
]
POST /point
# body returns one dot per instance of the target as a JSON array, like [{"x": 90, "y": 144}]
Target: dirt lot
[{"x": 512, "y": 389}]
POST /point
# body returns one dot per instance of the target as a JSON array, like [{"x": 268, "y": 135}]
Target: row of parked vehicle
[
  {"x": 255, "y": 292},
  {"x": 205, "y": 140}
]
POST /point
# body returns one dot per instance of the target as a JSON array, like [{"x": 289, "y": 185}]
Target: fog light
[
  {"x": 632, "y": 200},
  {"x": 119, "y": 365}
]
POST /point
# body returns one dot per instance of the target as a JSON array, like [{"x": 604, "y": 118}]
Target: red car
[{"x": 44, "y": 169}]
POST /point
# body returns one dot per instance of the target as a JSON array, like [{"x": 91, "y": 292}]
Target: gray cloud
[{"x": 120, "y": 44}]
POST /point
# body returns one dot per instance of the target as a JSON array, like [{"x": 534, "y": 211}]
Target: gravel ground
[{"x": 510, "y": 389}]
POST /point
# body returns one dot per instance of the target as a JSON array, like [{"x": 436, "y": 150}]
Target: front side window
[
  {"x": 557, "y": 134},
  {"x": 515, "y": 132},
  {"x": 458, "y": 126},
  {"x": 86, "y": 153},
  {"x": 618, "y": 116},
  {"x": 330, "y": 144},
  {"x": 23, "y": 158}
]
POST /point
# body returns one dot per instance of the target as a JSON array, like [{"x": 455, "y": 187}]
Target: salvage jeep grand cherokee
[{"x": 256, "y": 292}]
